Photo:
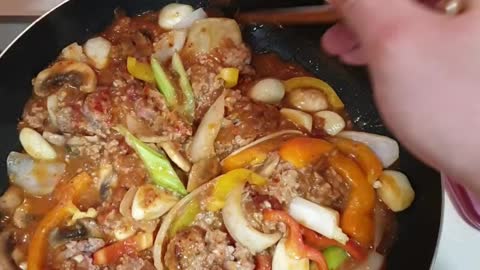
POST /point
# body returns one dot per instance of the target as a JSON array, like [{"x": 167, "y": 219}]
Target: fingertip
[
  {"x": 355, "y": 57},
  {"x": 338, "y": 40}
]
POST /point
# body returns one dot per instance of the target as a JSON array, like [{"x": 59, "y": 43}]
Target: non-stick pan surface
[{"x": 77, "y": 20}]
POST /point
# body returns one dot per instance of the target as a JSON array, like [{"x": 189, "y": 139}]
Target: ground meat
[
  {"x": 77, "y": 255},
  {"x": 35, "y": 114},
  {"x": 134, "y": 263},
  {"x": 196, "y": 248},
  {"x": 97, "y": 111},
  {"x": 247, "y": 121},
  {"x": 254, "y": 204}
]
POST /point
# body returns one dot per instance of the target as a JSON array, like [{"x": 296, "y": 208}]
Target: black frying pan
[{"x": 77, "y": 20}]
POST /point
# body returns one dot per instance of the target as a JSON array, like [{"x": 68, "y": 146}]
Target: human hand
[{"x": 425, "y": 69}]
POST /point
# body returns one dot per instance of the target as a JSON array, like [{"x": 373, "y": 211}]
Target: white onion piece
[
  {"x": 73, "y": 52},
  {"x": 270, "y": 91},
  {"x": 98, "y": 50},
  {"x": 239, "y": 228},
  {"x": 395, "y": 190},
  {"x": 203, "y": 142},
  {"x": 151, "y": 202},
  {"x": 374, "y": 261},
  {"x": 188, "y": 20},
  {"x": 283, "y": 261},
  {"x": 210, "y": 33},
  {"x": 308, "y": 100},
  {"x": 172, "y": 14},
  {"x": 386, "y": 149},
  {"x": 34, "y": 176},
  {"x": 125, "y": 207},
  {"x": 334, "y": 123},
  {"x": 35, "y": 145},
  {"x": 169, "y": 43},
  {"x": 299, "y": 118},
  {"x": 318, "y": 218}
]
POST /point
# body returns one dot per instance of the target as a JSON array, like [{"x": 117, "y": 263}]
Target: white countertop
[
  {"x": 457, "y": 245},
  {"x": 458, "y": 242}
]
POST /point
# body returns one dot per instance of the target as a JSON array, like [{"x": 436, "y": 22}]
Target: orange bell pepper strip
[
  {"x": 64, "y": 210},
  {"x": 294, "y": 243},
  {"x": 321, "y": 242},
  {"x": 357, "y": 218},
  {"x": 362, "y": 154},
  {"x": 254, "y": 155},
  {"x": 38, "y": 244},
  {"x": 310, "y": 82},
  {"x": 303, "y": 151}
]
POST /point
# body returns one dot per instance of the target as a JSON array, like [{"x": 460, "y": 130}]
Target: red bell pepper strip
[
  {"x": 112, "y": 253},
  {"x": 320, "y": 242},
  {"x": 263, "y": 262},
  {"x": 294, "y": 242}
]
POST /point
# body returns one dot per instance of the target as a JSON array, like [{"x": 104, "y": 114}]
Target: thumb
[{"x": 371, "y": 20}]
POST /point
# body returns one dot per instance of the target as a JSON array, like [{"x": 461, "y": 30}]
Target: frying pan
[{"x": 77, "y": 20}]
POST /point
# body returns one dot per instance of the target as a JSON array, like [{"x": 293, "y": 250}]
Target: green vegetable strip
[
  {"x": 335, "y": 257},
  {"x": 164, "y": 83},
  {"x": 157, "y": 165},
  {"x": 189, "y": 106}
]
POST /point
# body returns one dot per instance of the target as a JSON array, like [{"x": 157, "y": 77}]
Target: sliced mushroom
[
  {"x": 107, "y": 179},
  {"x": 65, "y": 73},
  {"x": 21, "y": 217},
  {"x": 202, "y": 172},
  {"x": 98, "y": 51},
  {"x": 174, "y": 154}
]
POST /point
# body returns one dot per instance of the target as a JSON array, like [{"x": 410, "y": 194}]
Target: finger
[
  {"x": 355, "y": 57},
  {"x": 339, "y": 39},
  {"x": 372, "y": 19}
]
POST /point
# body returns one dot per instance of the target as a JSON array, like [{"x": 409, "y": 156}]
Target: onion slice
[
  {"x": 188, "y": 20},
  {"x": 239, "y": 228},
  {"x": 283, "y": 261},
  {"x": 203, "y": 141},
  {"x": 321, "y": 219},
  {"x": 386, "y": 149},
  {"x": 23, "y": 171},
  {"x": 125, "y": 207}
]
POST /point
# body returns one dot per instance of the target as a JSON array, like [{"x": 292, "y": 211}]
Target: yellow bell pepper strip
[
  {"x": 229, "y": 76},
  {"x": 362, "y": 154},
  {"x": 294, "y": 244},
  {"x": 112, "y": 253},
  {"x": 303, "y": 151},
  {"x": 140, "y": 70},
  {"x": 59, "y": 214},
  {"x": 357, "y": 218},
  {"x": 310, "y": 82},
  {"x": 186, "y": 218},
  {"x": 189, "y": 103},
  {"x": 164, "y": 83},
  {"x": 159, "y": 168},
  {"x": 228, "y": 182}
]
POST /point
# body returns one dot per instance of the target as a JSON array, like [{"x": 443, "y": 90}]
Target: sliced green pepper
[
  {"x": 157, "y": 164},
  {"x": 163, "y": 83},
  {"x": 189, "y": 104},
  {"x": 335, "y": 257}
]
